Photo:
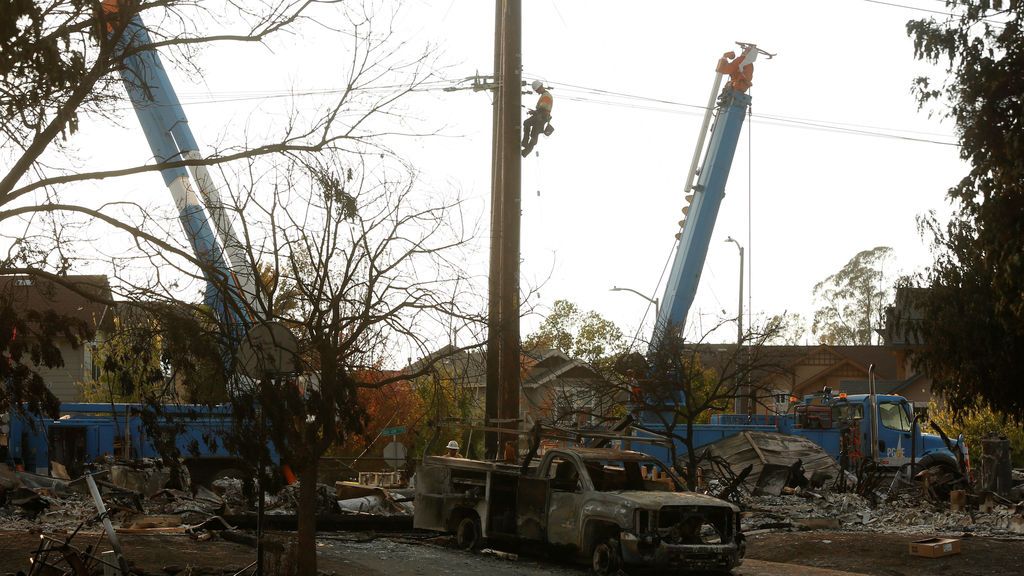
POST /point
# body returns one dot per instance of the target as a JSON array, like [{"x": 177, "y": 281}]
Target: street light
[
  {"x": 640, "y": 294},
  {"x": 739, "y": 312},
  {"x": 741, "y": 391}
]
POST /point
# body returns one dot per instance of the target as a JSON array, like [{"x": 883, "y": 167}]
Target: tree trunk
[
  {"x": 306, "y": 541},
  {"x": 691, "y": 456}
]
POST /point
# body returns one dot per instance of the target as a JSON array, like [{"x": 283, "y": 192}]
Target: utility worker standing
[
  {"x": 538, "y": 118},
  {"x": 452, "y": 450}
]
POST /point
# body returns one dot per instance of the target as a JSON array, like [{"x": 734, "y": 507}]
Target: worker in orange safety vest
[{"x": 538, "y": 118}]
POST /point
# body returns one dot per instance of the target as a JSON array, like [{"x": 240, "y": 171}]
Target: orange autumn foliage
[{"x": 391, "y": 405}]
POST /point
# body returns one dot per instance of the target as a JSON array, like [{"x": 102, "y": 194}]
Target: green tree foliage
[
  {"x": 852, "y": 300},
  {"x": 975, "y": 423},
  {"x": 585, "y": 336},
  {"x": 29, "y": 340},
  {"x": 972, "y": 331},
  {"x": 157, "y": 354},
  {"x": 449, "y": 406},
  {"x": 789, "y": 329},
  {"x": 42, "y": 59},
  {"x": 129, "y": 361}
]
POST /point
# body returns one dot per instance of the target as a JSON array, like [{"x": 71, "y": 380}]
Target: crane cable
[{"x": 750, "y": 215}]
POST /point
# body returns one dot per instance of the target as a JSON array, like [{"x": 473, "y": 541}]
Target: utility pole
[{"x": 503, "y": 355}]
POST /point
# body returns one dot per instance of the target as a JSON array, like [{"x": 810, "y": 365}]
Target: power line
[
  {"x": 909, "y": 7},
  {"x": 585, "y": 94},
  {"x": 930, "y": 11},
  {"x": 824, "y": 125}
]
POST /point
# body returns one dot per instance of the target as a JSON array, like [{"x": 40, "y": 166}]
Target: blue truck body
[
  {"x": 822, "y": 419},
  {"x": 89, "y": 432}
]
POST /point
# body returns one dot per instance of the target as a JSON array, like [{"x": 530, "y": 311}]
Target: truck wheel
[
  {"x": 606, "y": 560},
  {"x": 467, "y": 535}
]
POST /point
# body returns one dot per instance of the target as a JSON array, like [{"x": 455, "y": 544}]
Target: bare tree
[
  {"x": 365, "y": 270},
  {"x": 63, "y": 61},
  {"x": 681, "y": 383},
  {"x": 67, "y": 60}
]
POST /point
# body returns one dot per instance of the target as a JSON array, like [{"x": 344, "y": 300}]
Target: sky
[{"x": 837, "y": 157}]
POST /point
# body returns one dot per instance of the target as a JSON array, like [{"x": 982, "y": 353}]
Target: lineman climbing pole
[{"x": 503, "y": 356}]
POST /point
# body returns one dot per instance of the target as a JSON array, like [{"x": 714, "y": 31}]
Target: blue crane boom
[
  {"x": 213, "y": 239},
  {"x": 705, "y": 197}
]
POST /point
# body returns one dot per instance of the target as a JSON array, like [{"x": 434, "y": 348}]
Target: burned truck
[{"x": 611, "y": 508}]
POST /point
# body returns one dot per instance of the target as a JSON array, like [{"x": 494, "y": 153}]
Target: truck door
[
  {"x": 564, "y": 502},
  {"x": 67, "y": 448},
  {"x": 893, "y": 433},
  {"x": 532, "y": 508}
]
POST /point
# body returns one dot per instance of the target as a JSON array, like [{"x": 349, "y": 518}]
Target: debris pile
[
  {"x": 135, "y": 500},
  {"x": 287, "y": 501},
  {"x": 360, "y": 499},
  {"x": 768, "y": 476},
  {"x": 906, "y": 513}
]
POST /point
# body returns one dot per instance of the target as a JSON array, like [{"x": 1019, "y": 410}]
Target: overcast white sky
[{"x": 601, "y": 201}]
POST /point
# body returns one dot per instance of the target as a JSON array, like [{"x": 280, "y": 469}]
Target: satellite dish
[{"x": 268, "y": 349}]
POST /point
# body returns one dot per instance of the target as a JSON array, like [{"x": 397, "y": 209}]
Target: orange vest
[{"x": 545, "y": 101}]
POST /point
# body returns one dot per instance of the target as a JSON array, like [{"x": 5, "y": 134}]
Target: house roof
[
  {"x": 540, "y": 365},
  {"x": 82, "y": 297},
  {"x": 782, "y": 360},
  {"x": 859, "y": 386},
  {"x": 862, "y": 356}
]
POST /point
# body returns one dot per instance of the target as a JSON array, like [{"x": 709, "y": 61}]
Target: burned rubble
[
  {"x": 137, "y": 499},
  {"x": 783, "y": 495},
  {"x": 775, "y": 489}
]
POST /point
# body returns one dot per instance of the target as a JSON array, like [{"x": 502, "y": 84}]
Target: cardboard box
[{"x": 935, "y": 547}]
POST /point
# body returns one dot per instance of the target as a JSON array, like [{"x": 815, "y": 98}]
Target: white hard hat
[
  {"x": 537, "y": 85},
  {"x": 453, "y": 445}
]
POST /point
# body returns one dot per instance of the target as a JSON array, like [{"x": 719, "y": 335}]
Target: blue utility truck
[
  {"x": 842, "y": 425},
  {"x": 90, "y": 432}
]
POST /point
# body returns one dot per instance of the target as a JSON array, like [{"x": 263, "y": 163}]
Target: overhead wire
[
  {"x": 750, "y": 222},
  {"x": 823, "y": 125},
  {"x": 930, "y": 11},
  {"x": 590, "y": 95}
]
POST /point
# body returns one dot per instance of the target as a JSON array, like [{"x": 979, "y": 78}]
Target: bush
[{"x": 976, "y": 423}]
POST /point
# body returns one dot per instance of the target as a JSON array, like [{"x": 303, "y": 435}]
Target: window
[
  {"x": 893, "y": 416},
  {"x": 847, "y": 411},
  {"x": 564, "y": 476},
  {"x": 611, "y": 475}
]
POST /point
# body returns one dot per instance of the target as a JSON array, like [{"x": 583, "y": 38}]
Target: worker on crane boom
[
  {"x": 539, "y": 118},
  {"x": 740, "y": 70}
]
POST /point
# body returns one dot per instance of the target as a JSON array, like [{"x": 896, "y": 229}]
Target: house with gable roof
[
  {"x": 78, "y": 296},
  {"x": 554, "y": 387},
  {"x": 843, "y": 369}
]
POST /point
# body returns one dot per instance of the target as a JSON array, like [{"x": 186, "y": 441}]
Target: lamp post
[
  {"x": 741, "y": 395},
  {"x": 640, "y": 294}
]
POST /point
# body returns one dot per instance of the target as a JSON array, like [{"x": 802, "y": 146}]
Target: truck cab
[{"x": 899, "y": 438}]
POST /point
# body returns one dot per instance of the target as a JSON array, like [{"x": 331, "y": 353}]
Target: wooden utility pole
[{"x": 503, "y": 354}]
